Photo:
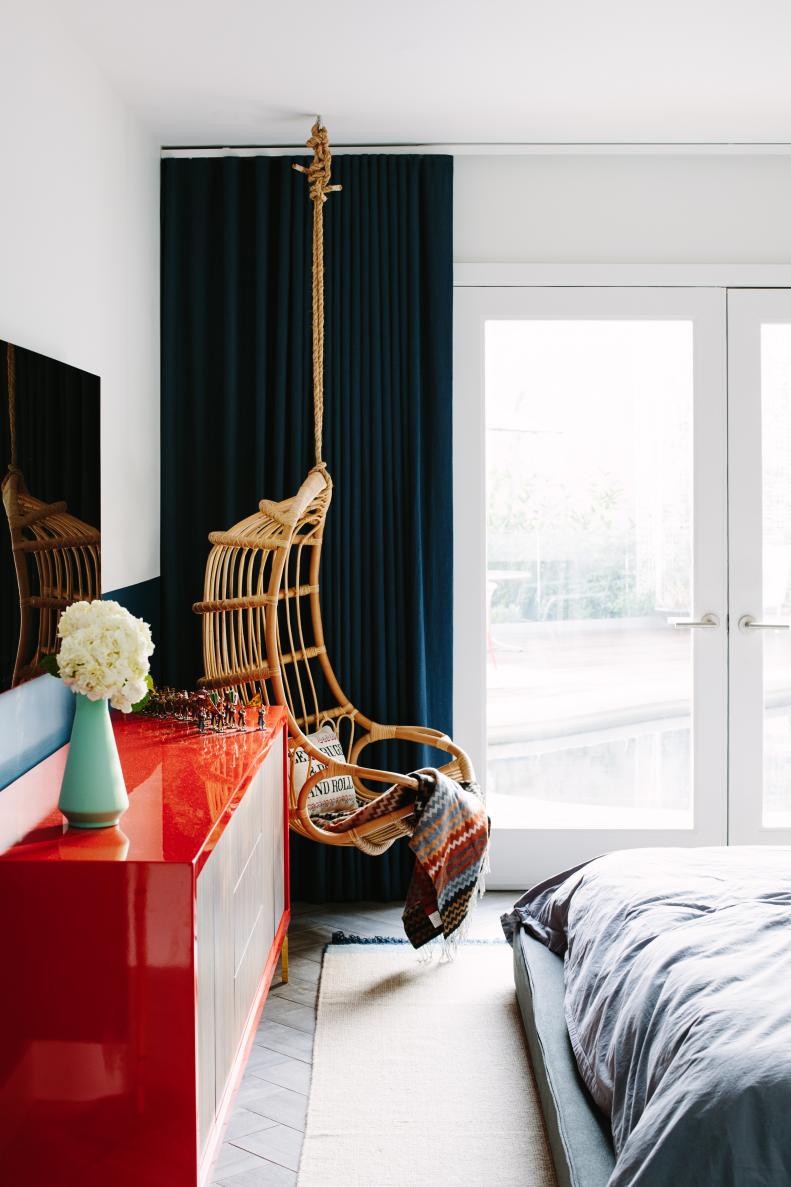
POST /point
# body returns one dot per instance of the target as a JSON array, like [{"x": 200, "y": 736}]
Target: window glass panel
[
  {"x": 776, "y": 453},
  {"x": 589, "y": 551}
]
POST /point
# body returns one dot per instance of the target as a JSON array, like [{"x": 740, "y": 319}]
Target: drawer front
[
  {"x": 205, "y": 916},
  {"x": 248, "y": 927},
  {"x": 248, "y": 975},
  {"x": 244, "y": 830},
  {"x": 248, "y": 894},
  {"x": 221, "y": 864},
  {"x": 275, "y": 830}
]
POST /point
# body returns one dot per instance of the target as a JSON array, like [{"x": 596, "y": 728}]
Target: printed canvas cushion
[{"x": 335, "y": 793}]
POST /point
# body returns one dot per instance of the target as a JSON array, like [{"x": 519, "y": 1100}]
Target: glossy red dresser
[{"x": 135, "y": 961}]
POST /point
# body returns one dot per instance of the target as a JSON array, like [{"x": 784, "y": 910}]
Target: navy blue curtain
[{"x": 237, "y": 424}]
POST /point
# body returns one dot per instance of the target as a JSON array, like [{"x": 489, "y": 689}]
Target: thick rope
[
  {"x": 318, "y": 174},
  {"x": 11, "y": 372}
]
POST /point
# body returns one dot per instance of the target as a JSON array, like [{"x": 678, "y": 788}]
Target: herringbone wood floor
[{"x": 262, "y": 1142}]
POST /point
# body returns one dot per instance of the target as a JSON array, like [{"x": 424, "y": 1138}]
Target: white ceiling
[{"x": 447, "y": 71}]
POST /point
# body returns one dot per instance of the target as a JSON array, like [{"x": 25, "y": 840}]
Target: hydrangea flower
[{"x": 104, "y": 653}]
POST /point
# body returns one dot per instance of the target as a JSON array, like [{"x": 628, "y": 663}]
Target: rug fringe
[
  {"x": 340, "y": 938},
  {"x": 345, "y": 937}
]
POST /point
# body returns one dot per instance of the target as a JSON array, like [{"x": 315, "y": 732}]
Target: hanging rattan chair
[
  {"x": 262, "y": 625},
  {"x": 57, "y": 557}
]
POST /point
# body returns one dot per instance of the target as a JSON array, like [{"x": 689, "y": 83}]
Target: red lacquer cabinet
[{"x": 135, "y": 961}]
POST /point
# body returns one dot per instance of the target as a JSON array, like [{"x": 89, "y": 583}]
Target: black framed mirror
[{"x": 50, "y": 542}]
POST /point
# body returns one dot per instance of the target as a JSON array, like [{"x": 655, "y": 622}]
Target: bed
[{"x": 655, "y": 986}]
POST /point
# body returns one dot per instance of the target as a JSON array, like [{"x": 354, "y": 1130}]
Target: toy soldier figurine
[{"x": 262, "y": 717}]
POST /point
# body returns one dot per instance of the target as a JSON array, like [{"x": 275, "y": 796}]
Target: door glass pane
[
  {"x": 589, "y": 543},
  {"x": 776, "y": 454}
]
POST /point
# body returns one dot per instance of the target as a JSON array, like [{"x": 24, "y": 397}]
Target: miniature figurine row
[{"x": 216, "y": 711}]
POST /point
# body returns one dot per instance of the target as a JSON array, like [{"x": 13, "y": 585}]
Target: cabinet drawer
[
  {"x": 247, "y": 901},
  {"x": 275, "y": 831},
  {"x": 205, "y": 910},
  {"x": 245, "y": 830},
  {"x": 248, "y": 974},
  {"x": 252, "y": 926}
]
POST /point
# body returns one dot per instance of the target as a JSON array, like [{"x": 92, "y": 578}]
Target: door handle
[
  {"x": 709, "y": 620},
  {"x": 748, "y": 623}
]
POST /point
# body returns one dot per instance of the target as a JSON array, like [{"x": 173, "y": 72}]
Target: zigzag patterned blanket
[
  {"x": 450, "y": 839},
  {"x": 450, "y": 842}
]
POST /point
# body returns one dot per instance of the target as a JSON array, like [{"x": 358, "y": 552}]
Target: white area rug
[{"x": 421, "y": 1076}]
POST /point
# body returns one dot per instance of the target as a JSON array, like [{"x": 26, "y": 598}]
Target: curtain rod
[{"x": 508, "y": 148}]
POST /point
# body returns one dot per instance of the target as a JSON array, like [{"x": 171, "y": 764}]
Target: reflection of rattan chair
[
  {"x": 262, "y": 625},
  {"x": 57, "y": 558}
]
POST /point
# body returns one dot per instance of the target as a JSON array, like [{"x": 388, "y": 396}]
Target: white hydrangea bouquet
[
  {"x": 103, "y": 658},
  {"x": 104, "y": 653}
]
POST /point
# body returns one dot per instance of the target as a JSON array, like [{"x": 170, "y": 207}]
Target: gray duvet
[{"x": 678, "y": 1006}]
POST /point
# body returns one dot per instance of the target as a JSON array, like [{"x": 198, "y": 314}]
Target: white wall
[
  {"x": 622, "y": 209},
  {"x": 79, "y": 258}
]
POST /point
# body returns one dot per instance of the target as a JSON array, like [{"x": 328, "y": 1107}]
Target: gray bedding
[{"x": 678, "y": 1006}]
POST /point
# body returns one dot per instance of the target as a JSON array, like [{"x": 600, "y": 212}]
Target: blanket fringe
[{"x": 445, "y": 948}]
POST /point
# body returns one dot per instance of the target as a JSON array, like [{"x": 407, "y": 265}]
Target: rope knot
[{"x": 319, "y": 170}]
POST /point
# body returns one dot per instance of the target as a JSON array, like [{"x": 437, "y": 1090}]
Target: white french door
[
  {"x": 759, "y": 397},
  {"x": 623, "y": 556},
  {"x": 591, "y": 561}
]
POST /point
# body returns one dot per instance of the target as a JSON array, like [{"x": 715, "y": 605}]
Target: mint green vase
[{"x": 93, "y": 792}]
